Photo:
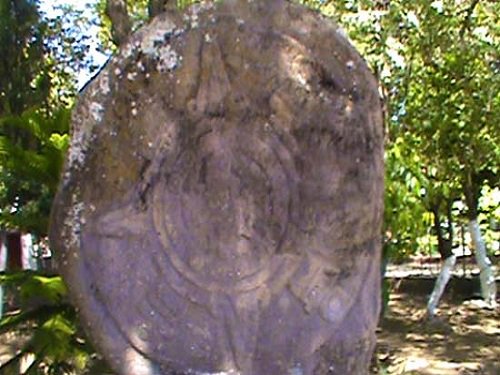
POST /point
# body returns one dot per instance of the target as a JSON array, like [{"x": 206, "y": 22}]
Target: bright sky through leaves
[{"x": 50, "y": 8}]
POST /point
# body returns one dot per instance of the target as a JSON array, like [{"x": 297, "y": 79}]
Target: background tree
[
  {"x": 40, "y": 59},
  {"x": 438, "y": 68},
  {"x": 455, "y": 79}
]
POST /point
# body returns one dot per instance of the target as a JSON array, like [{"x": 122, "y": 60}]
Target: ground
[{"x": 464, "y": 338}]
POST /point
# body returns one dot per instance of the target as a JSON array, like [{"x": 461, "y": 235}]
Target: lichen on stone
[
  {"x": 73, "y": 222},
  {"x": 96, "y": 111},
  {"x": 168, "y": 59},
  {"x": 104, "y": 84},
  {"x": 157, "y": 37},
  {"x": 86, "y": 117},
  {"x": 79, "y": 143}
]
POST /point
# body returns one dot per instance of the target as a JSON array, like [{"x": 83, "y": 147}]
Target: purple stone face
[{"x": 221, "y": 206}]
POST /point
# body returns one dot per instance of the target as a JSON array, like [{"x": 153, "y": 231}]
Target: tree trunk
[
  {"x": 121, "y": 25},
  {"x": 487, "y": 276},
  {"x": 440, "y": 285},
  {"x": 447, "y": 257},
  {"x": 472, "y": 191}
]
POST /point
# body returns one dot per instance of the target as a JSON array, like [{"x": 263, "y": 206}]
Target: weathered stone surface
[{"x": 222, "y": 200}]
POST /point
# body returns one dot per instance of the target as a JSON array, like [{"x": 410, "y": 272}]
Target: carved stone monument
[{"x": 221, "y": 205}]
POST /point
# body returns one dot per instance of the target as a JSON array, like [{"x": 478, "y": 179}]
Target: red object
[{"x": 14, "y": 251}]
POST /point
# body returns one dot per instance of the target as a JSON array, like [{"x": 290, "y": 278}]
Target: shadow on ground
[{"x": 464, "y": 338}]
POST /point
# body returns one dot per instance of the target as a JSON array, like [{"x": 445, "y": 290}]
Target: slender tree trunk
[
  {"x": 440, "y": 285},
  {"x": 487, "y": 276},
  {"x": 448, "y": 260}
]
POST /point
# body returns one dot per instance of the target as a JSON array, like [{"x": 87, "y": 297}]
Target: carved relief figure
[{"x": 222, "y": 201}]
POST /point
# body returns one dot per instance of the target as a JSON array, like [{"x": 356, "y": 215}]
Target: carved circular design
[
  {"x": 226, "y": 209},
  {"x": 224, "y": 214}
]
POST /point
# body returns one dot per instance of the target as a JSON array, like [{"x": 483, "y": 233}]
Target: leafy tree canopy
[{"x": 40, "y": 59}]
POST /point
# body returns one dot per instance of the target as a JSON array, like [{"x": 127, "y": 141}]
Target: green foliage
[
  {"x": 489, "y": 218},
  {"x": 405, "y": 216},
  {"x": 67, "y": 51},
  {"x": 40, "y": 56},
  {"x": 31, "y": 163},
  {"x": 455, "y": 79},
  {"x": 24, "y": 78},
  {"x": 47, "y": 322},
  {"x": 438, "y": 68},
  {"x": 40, "y": 59}
]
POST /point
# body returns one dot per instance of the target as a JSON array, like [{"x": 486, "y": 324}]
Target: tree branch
[
  {"x": 121, "y": 24},
  {"x": 468, "y": 15},
  {"x": 156, "y": 7}
]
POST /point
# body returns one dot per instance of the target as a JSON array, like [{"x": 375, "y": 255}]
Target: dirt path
[{"x": 463, "y": 340}]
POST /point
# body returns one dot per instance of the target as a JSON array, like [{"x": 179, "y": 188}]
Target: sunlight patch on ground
[
  {"x": 423, "y": 366},
  {"x": 461, "y": 340}
]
